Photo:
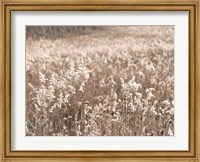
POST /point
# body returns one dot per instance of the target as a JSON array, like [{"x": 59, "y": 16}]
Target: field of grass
[{"x": 100, "y": 81}]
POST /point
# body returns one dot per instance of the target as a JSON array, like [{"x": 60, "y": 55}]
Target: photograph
[{"x": 101, "y": 80}]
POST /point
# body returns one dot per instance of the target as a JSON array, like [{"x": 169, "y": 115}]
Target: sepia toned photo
[{"x": 100, "y": 80}]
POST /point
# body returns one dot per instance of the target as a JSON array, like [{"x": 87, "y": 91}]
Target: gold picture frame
[{"x": 192, "y": 6}]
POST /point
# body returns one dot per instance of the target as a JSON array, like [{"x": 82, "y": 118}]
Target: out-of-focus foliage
[{"x": 100, "y": 81}]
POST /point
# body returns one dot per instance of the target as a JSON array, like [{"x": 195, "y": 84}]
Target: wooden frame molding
[{"x": 192, "y": 6}]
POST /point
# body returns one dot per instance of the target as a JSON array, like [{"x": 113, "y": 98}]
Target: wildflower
[
  {"x": 170, "y": 132},
  {"x": 138, "y": 95},
  {"x": 150, "y": 95},
  {"x": 42, "y": 78},
  {"x": 165, "y": 102},
  {"x": 81, "y": 89},
  {"x": 122, "y": 81},
  {"x": 141, "y": 74}
]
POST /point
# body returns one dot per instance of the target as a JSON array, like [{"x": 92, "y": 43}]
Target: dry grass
[{"x": 100, "y": 81}]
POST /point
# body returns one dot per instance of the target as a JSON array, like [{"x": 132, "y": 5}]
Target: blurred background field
[{"x": 100, "y": 81}]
